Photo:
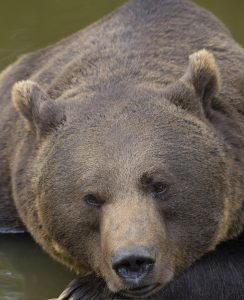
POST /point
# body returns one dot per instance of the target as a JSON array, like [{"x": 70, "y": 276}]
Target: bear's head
[{"x": 131, "y": 182}]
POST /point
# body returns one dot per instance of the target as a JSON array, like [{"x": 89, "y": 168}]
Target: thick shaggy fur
[{"x": 151, "y": 95}]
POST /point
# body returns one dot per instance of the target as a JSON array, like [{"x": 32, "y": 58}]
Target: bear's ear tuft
[
  {"x": 203, "y": 74},
  {"x": 42, "y": 114}
]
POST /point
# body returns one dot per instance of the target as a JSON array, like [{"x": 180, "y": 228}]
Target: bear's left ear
[
  {"x": 40, "y": 112},
  {"x": 201, "y": 81}
]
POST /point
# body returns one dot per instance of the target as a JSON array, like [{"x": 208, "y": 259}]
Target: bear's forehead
[
  {"x": 132, "y": 133},
  {"x": 151, "y": 135},
  {"x": 130, "y": 147}
]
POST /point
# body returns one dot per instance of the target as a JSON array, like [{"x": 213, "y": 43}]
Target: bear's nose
[{"x": 134, "y": 264}]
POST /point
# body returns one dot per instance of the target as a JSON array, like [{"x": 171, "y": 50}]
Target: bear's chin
[{"x": 142, "y": 292}]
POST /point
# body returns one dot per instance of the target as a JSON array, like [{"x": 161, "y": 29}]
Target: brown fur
[{"x": 112, "y": 110}]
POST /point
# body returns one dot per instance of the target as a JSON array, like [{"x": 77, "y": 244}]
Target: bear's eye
[
  {"x": 93, "y": 200},
  {"x": 159, "y": 188}
]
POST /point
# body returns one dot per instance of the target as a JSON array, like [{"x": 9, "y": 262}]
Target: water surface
[{"x": 26, "y": 272}]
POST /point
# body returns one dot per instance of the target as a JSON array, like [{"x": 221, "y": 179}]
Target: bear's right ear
[
  {"x": 200, "y": 84},
  {"x": 203, "y": 74},
  {"x": 41, "y": 113}
]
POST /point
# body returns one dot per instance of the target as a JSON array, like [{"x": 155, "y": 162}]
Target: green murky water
[{"x": 26, "y": 273}]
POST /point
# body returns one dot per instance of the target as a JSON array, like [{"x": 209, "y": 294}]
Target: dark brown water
[{"x": 26, "y": 272}]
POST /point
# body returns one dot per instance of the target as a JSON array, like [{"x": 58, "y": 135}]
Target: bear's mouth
[{"x": 140, "y": 291}]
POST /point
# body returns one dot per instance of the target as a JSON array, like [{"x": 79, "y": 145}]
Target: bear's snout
[
  {"x": 137, "y": 257},
  {"x": 134, "y": 264}
]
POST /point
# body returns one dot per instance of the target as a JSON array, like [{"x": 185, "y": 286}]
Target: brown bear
[{"x": 121, "y": 156}]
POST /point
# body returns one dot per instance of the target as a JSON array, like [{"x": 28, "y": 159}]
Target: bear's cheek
[
  {"x": 73, "y": 232},
  {"x": 191, "y": 233}
]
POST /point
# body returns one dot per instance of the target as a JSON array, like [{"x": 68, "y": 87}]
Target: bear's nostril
[
  {"x": 134, "y": 264},
  {"x": 135, "y": 269}
]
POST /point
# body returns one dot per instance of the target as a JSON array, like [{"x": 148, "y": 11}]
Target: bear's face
[
  {"x": 136, "y": 192},
  {"x": 121, "y": 188}
]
